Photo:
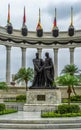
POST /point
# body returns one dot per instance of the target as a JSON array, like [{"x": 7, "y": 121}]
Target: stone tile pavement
[{"x": 21, "y": 115}]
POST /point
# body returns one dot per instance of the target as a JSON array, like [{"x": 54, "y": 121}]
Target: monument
[{"x": 42, "y": 95}]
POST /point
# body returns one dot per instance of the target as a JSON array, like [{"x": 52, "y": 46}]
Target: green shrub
[
  {"x": 21, "y": 98},
  {"x": 8, "y": 111},
  {"x": 53, "y": 114},
  {"x": 65, "y": 100},
  {"x": 3, "y": 86},
  {"x": 65, "y": 108},
  {"x": 2, "y": 107},
  {"x": 75, "y": 98}
]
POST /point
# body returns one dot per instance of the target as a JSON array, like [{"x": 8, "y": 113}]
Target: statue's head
[
  {"x": 47, "y": 54},
  {"x": 37, "y": 54}
]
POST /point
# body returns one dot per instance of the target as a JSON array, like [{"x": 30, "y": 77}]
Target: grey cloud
[{"x": 63, "y": 9}]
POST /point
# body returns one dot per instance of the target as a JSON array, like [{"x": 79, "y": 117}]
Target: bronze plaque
[{"x": 40, "y": 97}]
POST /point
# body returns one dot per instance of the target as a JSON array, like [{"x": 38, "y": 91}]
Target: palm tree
[
  {"x": 68, "y": 80},
  {"x": 72, "y": 70},
  {"x": 24, "y": 75}
]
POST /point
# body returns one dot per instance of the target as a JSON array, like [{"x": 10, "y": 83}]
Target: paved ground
[
  {"x": 21, "y": 115},
  {"x": 31, "y": 116}
]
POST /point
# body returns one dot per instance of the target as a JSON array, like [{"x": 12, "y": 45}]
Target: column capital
[
  {"x": 55, "y": 49},
  {"x": 23, "y": 48},
  {"x": 72, "y": 49},
  {"x": 8, "y": 47},
  {"x": 39, "y": 49}
]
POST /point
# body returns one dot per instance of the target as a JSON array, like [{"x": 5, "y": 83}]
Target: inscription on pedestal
[{"x": 40, "y": 97}]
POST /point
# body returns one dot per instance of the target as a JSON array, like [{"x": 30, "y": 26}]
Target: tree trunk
[
  {"x": 74, "y": 90},
  {"x": 26, "y": 85},
  {"x": 69, "y": 93}
]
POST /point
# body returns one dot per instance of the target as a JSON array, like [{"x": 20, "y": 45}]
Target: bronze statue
[
  {"x": 39, "y": 80},
  {"x": 43, "y": 72},
  {"x": 48, "y": 71}
]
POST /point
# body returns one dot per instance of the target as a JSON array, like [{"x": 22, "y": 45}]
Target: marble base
[{"x": 42, "y": 99}]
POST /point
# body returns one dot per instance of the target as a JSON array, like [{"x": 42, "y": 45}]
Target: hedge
[
  {"x": 52, "y": 114},
  {"x": 75, "y": 98},
  {"x": 65, "y": 108},
  {"x": 2, "y": 106},
  {"x": 21, "y": 98},
  {"x": 8, "y": 111}
]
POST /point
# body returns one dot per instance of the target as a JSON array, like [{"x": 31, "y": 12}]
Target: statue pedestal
[{"x": 42, "y": 99}]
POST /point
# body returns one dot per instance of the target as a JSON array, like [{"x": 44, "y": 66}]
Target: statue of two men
[{"x": 44, "y": 72}]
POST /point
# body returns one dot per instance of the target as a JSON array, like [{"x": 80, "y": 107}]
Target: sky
[{"x": 47, "y": 16}]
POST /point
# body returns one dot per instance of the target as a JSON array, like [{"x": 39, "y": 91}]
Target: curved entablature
[{"x": 46, "y": 39}]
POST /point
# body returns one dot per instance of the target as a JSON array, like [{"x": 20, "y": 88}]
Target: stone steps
[
  {"x": 44, "y": 124},
  {"x": 43, "y": 121},
  {"x": 39, "y": 126},
  {"x": 41, "y": 129}
]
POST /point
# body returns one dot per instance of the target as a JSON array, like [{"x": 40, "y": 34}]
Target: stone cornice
[{"x": 31, "y": 40}]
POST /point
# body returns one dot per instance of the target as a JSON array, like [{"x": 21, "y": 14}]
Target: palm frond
[{"x": 71, "y": 69}]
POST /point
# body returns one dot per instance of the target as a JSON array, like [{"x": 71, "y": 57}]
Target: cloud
[{"x": 63, "y": 9}]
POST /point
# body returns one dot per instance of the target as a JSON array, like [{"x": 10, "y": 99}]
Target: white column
[
  {"x": 39, "y": 50},
  {"x": 23, "y": 57},
  {"x": 71, "y": 55},
  {"x": 8, "y": 62},
  {"x": 55, "y": 62}
]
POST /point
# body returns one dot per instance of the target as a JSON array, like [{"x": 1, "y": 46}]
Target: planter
[
  {"x": 55, "y": 32},
  {"x": 40, "y": 32},
  {"x": 9, "y": 28},
  {"x": 71, "y": 31},
  {"x": 24, "y": 31}
]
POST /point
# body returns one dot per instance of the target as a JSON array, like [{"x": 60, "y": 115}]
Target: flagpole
[
  {"x": 55, "y": 12},
  {"x": 39, "y": 16},
  {"x": 71, "y": 16}
]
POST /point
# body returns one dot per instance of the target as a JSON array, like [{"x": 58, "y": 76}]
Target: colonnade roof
[{"x": 46, "y": 39}]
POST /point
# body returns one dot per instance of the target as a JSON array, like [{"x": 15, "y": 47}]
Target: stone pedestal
[{"x": 42, "y": 99}]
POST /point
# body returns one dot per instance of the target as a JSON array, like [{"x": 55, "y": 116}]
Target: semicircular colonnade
[{"x": 47, "y": 41}]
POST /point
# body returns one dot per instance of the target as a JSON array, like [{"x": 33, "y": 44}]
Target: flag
[
  {"x": 39, "y": 22},
  {"x": 55, "y": 23},
  {"x": 8, "y": 20},
  {"x": 39, "y": 26},
  {"x": 24, "y": 17}
]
